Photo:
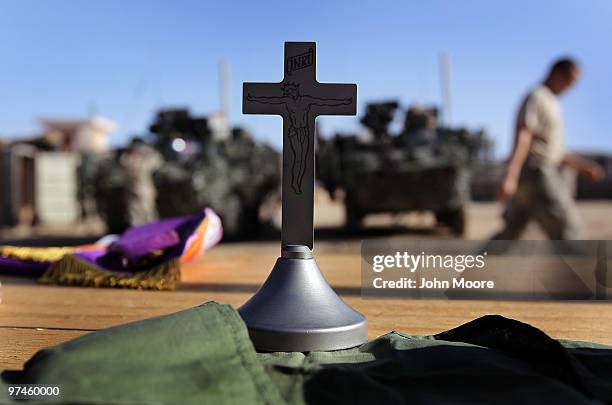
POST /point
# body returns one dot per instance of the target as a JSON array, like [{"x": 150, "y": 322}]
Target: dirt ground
[{"x": 484, "y": 220}]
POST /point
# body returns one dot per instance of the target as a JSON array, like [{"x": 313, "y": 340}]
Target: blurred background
[{"x": 117, "y": 113}]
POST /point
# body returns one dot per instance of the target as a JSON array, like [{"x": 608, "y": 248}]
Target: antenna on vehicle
[{"x": 444, "y": 68}]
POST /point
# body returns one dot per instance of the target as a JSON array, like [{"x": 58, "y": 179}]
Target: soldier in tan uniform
[
  {"x": 140, "y": 162},
  {"x": 532, "y": 183}
]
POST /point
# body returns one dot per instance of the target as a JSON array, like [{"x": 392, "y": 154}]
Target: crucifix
[
  {"x": 295, "y": 309},
  {"x": 299, "y": 99}
]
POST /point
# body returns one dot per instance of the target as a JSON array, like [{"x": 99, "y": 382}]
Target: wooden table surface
[{"x": 35, "y": 316}]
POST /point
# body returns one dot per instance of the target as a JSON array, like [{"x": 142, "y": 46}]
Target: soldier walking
[
  {"x": 140, "y": 161},
  {"x": 533, "y": 184}
]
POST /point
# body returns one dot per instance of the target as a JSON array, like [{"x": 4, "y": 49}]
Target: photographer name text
[{"x": 433, "y": 284}]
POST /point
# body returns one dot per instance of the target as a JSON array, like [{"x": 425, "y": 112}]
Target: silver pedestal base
[{"x": 297, "y": 311}]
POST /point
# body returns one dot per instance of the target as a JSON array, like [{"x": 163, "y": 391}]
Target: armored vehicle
[
  {"x": 424, "y": 167},
  {"x": 232, "y": 175},
  {"x": 586, "y": 189}
]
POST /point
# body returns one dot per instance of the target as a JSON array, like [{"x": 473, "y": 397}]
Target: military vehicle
[
  {"x": 587, "y": 189},
  {"x": 424, "y": 167},
  {"x": 233, "y": 176}
]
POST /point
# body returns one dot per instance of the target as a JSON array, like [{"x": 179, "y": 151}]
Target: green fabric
[
  {"x": 200, "y": 355},
  {"x": 203, "y": 355}
]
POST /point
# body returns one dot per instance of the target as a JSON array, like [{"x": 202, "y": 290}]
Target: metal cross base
[{"x": 295, "y": 310}]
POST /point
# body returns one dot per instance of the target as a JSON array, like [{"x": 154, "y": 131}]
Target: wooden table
[{"x": 35, "y": 316}]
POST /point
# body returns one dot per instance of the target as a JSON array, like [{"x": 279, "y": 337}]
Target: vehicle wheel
[
  {"x": 458, "y": 222},
  {"x": 249, "y": 222},
  {"x": 455, "y": 219},
  {"x": 353, "y": 217}
]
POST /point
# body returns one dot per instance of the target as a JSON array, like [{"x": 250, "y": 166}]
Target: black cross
[{"x": 299, "y": 99}]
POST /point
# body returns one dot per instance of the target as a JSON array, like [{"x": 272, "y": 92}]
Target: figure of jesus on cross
[
  {"x": 299, "y": 99},
  {"x": 298, "y": 107}
]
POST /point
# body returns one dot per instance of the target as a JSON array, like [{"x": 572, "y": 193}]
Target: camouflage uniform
[
  {"x": 139, "y": 164},
  {"x": 542, "y": 194}
]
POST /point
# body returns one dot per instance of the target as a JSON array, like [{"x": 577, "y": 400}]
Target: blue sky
[{"x": 125, "y": 59}]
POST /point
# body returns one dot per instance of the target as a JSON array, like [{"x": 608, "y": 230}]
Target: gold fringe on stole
[
  {"x": 36, "y": 254},
  {"x": 70, "y": 270}
]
